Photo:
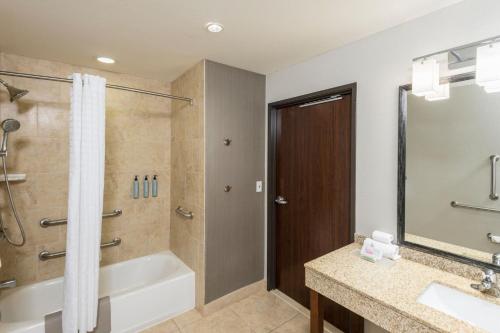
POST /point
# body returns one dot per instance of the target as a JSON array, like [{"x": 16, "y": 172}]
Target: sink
[{"x": 455, "y": 303}]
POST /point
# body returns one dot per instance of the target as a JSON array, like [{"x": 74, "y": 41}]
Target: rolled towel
[
  {"x": 382, "y": 237},
  {"x": 389, "y": 251}
]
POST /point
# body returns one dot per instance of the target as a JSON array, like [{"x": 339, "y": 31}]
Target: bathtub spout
[{"x": 8, "y": 284}]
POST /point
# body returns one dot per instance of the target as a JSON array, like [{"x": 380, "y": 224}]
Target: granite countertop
[{"x": 394, "y": 285}]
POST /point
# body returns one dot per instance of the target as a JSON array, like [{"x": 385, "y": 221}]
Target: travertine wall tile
[
  {"x": 137, "y": 142},
  {"x": 187, "y": 237}
]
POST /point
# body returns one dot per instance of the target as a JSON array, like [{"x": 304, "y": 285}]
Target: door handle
[{"x": 280, "y": 200}]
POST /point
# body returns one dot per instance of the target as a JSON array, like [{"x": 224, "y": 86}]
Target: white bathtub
[{"x": 143, "y": 291}]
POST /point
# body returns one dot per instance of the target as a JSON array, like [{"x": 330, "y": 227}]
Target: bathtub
[{"x": 143, "y": 292}]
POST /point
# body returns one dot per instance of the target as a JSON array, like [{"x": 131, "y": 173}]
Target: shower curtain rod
[{"x": 112, "y": 86}]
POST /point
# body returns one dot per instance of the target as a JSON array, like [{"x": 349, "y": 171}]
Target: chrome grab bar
[
  {"x": 46, "y": 255},
  {"x": 456, "y": 204},
  {"x": 493, "y": 190},
  {"x": 47, "y": 222},
  {"x": 184, "y": 213}
]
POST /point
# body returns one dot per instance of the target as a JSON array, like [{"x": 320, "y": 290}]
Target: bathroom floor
[{"x": 258, "y": 313}]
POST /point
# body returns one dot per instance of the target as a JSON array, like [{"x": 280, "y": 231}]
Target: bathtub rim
[{"x": 182, "y": 271}]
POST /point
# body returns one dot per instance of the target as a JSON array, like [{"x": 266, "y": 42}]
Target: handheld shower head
[
  {"x": 8, "y": 125},
  {"x": 14, "y": 93}
]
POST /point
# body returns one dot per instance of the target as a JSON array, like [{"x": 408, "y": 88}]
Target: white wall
[{"x": 379, "y": 64}]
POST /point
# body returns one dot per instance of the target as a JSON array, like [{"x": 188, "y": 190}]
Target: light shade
[
  {"x": 106, "y": 60},
  {"x": 492, "y": 88},
  {"x": 443, "y": 93},
  {"x": 425, "y": 80},
  {"x": 488, "y": 65}
]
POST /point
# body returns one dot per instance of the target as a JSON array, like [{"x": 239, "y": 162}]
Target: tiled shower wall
[
  {"x": 187, "y": 237},
  {"x": 138, "y": 142}
]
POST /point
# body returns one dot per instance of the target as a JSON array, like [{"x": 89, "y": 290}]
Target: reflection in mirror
[{"x": 451, "y": 146}]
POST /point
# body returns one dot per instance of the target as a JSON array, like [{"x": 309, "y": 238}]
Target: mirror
[{"x": 449, "y": 162}]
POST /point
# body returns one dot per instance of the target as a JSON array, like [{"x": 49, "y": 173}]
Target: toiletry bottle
[
  {"x": 154, "y": 186},
  {"x": 145, "y": 187},
  {"x": 135, "y": 188}
]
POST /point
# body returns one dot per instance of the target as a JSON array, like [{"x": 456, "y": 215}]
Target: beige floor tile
[
  {"x": 263, "y": 311},
  {"x": 187, "y": 318},
  {"x": 298, "y": 324},
  {"x": 168, "y": 326},
  {"x": 223, "y": 321},
  {"x": 232, "y": 298}
]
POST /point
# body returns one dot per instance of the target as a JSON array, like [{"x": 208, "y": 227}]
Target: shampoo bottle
[
  {"x": 145, "y": 187},
  {"x": 135, "y": 188},
  {"x": 154, "y": 186}
]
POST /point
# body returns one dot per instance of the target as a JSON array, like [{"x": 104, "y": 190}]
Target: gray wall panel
[{"x": 234, "y": 234}]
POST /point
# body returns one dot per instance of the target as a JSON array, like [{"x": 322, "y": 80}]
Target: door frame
[{"x": 271, "y": 167}]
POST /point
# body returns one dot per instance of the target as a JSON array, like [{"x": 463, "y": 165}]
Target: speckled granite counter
[{"x": 386, "y": 293}]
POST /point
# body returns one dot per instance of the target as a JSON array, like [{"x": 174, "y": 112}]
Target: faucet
[
  {"x": 496, "y": 259},
  {"x": 11, "y": 283},
  {"x": 489, "y": 284}
]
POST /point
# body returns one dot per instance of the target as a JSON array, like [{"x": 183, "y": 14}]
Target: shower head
[
  {"x": 8, "y": 125},
  {"x": 14, "y": 93}
]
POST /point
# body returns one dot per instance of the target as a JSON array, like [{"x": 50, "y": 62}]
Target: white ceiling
[{"x": 162, "y": 38}]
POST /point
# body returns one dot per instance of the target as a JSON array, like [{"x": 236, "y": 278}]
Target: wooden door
[{"x": 313, "y": 187}]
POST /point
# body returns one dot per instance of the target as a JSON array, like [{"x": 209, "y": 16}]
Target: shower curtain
[{"x": 85, "y": 201}]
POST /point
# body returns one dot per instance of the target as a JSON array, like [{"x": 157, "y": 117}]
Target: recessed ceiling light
[
  {"x": 214, "y": 27},
  {"x": 106, "y": 60}
]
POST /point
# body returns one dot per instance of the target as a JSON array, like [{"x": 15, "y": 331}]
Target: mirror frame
[{"x": 402, "y": 121}]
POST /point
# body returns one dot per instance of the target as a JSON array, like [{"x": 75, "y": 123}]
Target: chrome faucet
[
  {"x": 8, "y": 284},
  {"x": 496, "y": 259},
  {"x": 489, "y": 284}
]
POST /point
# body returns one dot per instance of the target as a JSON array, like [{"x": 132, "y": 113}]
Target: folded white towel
[
  {"x": 495, "y": 239},
  {"x": 382, "y": 237},
  {"x": 389, "y": 251}
]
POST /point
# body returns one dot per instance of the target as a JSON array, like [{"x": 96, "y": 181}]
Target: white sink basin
[{"x": 470, "y": 309}]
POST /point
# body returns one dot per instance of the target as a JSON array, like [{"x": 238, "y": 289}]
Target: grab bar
[
  {"x": 455, "y": 204},
  {"x": 47, "y": 222},
  {"x": 46, "y": 255},
  {"x": 493, "y": 188},
  {"x": 184, "y": 213}
]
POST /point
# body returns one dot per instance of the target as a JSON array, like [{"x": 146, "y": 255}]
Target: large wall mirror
[{"x": 449, "y": 172}]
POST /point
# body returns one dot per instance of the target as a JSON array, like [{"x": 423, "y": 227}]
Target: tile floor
[{"x": 258, "y": 313}]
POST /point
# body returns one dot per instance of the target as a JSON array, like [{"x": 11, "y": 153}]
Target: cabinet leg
[{"x": 317, "y": 312}]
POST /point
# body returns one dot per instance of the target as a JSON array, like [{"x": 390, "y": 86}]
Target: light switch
[{"x": 258, "y": 186}]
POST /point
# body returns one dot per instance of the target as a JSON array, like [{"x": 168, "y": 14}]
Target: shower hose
[{"x": 14, "y": 210}]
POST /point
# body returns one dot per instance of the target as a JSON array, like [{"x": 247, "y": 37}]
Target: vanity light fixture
[
  {"x": 425, "y": 78},
  {"x": 488, "y": 67},
  {"x": 444, "y": 93},
  {"x": 214, "y": 27},
  {"x": 492, "y": 88},
  {"x": 106, "y": 60}
]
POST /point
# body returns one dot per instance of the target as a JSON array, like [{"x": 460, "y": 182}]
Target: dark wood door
[{"x": 313, "y": 175}]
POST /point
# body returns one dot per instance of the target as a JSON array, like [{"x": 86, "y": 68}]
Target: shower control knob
[
  {"x": 227, "y": 188},
  {"x": 227, "y": 141}
]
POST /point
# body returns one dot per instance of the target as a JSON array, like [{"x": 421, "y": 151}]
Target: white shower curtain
[{"x": 85, "y": 201}]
